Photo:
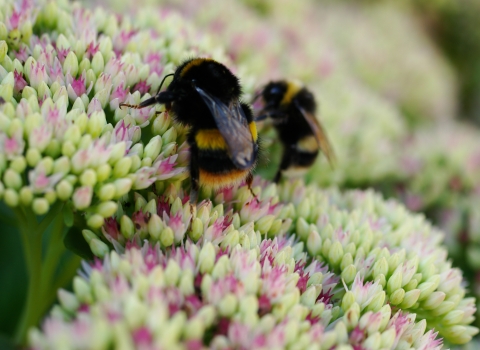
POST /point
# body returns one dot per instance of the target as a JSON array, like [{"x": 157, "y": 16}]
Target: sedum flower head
[
  {"x": 63, "y": 136},
  {"x": 197, "y": 295},
  {"x": 344, "y": 271}
]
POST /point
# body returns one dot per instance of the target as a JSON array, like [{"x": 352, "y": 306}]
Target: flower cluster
[
  {"x": 396, "y": 281},
  {"x": 251, "y": 296},
  {"x": 63, "y": 136}
]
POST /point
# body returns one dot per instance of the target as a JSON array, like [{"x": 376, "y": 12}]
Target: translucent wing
[
  {"x": 319, "y": 133},
  {"x": 232, "y": 124}
]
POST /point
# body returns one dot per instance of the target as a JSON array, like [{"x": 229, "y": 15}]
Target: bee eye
[{"x": 275, "y": 91}]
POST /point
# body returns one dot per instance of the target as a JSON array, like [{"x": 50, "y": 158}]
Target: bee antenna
[{"x": 165, "y": 77}]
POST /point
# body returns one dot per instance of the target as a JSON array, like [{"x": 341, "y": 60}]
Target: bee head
[
  {"x": 210, "y": 76},
  {"x": 273, "y": 94}
]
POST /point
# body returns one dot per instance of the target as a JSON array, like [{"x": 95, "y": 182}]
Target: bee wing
[
  {"x": 232, "y": 124},
  {"x": 320, "y": 134}
]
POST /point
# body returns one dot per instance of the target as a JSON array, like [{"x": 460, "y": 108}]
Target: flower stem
[
  {"x": 32, "y": 249},
  {"x": 40, "y": 294}
]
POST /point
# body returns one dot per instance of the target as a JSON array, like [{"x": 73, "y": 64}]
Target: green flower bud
[
  {"x": 155, "y": 226},
  {"x": 167, "y": 237},
  {"x": 4, "y": 122},
  {"x": 61, "y": 165},
  {"x": 309, "y": 297},
  {"x": 122, "y": 187},
  {"x": 118, "y": 152},
  {"x": 135, "y": 311},
  {"x": 29, "y": 91},
  {"x": 348, "y": 300},
  {"x": 394, "y": 282},
  {"x": 152, "y": 149},
  {"x": 11, "y": 197},
  {"x": 146, "y": 162},
  {"x": 70, "y": 64},
  {"x": 127, "y": 227},
  {"x": 47, "y": 164},
  {"x": 411, "y": 297},
  {"x": 377, "y": 302},
  {"x": 3, "y": 47},
  {"x": 64, "y": 190},
  {"x": 194, "y": 329},
  {"x": 95, "y": 221},
  {"x": 169, "y": 136},
  {"x": 172, "y": 273},
  {"x": 88, "y": 235},
  {"x": 169, "y": 149},
  {"x": 397, "y": 296},
  {"x": 44, "y": 90},
  {"x": 77, "y": 105},
  {"x": 341, "y": 331},
  {"x": 433, "y": 300},
  {"x": 160, "y": 124},
  {"x": 349, "y": 273},
  {"x": 40, "y": 206},
  {"x": 347, "y": 260},
  {"x": 453, "y": 317},
  {"x": 352, "y": 316},
  {"x": 151, "y": 207},
  {"x": 12, "y": 179},
  {"x": 303, "y": 208},
  {"x": 98, "y": 63},
  {"x": 427, "y": 288},
  {"x": 302, "y": 228},
  {"x": 107, "y": 209},
  {"x": 106, "y": 192},
  {"x": 222, "y": 268},
  {"x": 103, "y": 172},
  {"x": 84, "y": 65},
  {"x": 228, "y": 305},
  {"x": 264, "y": 224},
  {"x": 197, "y": 230},
  {"x": 73, "y": 134},
  {"x": 96, "y": 123},
  {"x": 82, "y": 290},
  {"x": 88, "y": 178},
  {"x": 26, "y": 196},
  {"x": 68, "y": 149},
  {"x": 335, "y": 254},
  {"x": 380, "y": 267},
  {"x": 373, "y": 341},
  {"x": 18, "y": 164},
  {"x": 81, "y": 121},
  {"x": 68, "y": 300},
  {"x": 206, "y": 258}
]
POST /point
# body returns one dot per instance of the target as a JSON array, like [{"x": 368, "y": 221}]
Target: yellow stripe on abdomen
[
  {"x": 210, "y": 139},
  {"x": 308, "y": 144},
  {"x": 213, "y": 139},
  {"x": 217, "y": 181}
]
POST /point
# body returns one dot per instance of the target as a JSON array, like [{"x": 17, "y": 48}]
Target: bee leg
[
  {"x": 129, "y": 105},
  {"x": 249, "y": 181},
  {"x": 194, "y": 176}
]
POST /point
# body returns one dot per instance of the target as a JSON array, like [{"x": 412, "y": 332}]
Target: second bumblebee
[{"x": 291, "y": 107}]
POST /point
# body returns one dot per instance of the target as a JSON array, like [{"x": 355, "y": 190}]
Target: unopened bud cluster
[
  {"x": 63, "y": 136},
  {"x": 264, "y": 294},
  {"x": 365, "y": 238}
]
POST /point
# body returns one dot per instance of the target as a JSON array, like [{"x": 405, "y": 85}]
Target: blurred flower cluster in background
[{"x": 380, "y": 252}]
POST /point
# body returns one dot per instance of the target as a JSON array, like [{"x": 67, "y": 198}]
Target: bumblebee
[
  {"x": 223, "y": 140},
  {"x": 291, "y": 107}
]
